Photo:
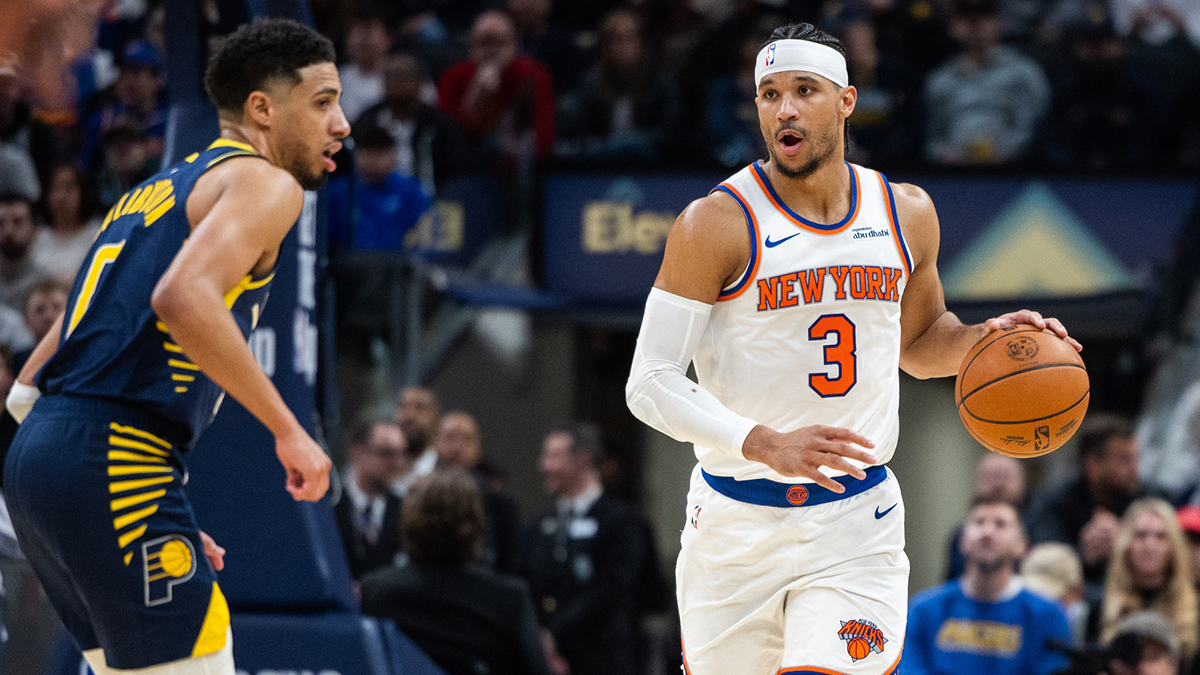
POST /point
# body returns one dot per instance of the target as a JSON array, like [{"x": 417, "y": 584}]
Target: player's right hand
[
  {"x": 802, "y": 453},
  {"x": 306, "y": 464}
]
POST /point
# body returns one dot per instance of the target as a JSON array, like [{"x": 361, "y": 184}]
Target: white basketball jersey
[{"x": 810, "y": 333}]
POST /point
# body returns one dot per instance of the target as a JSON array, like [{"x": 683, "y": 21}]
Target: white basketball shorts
[{"x": 817, "y": 589}]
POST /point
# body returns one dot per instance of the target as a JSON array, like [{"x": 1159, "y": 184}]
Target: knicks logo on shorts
[
  {"x": 862, "y": 638},
  {"x": 797, "y": 494},
  {"x": 168, "y": 562}
]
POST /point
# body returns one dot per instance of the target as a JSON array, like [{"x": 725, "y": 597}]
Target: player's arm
[
  {"x": 256, "y": 205},
  {"x": 707, "y": 248},
  {"x": 933, "y": 341},
  {"x": 23, "y": 394}
]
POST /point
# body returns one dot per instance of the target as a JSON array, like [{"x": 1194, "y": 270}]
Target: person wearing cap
[
  {"x": 988, "y": 621},
  {"x": 984, "y": 105},
  {"x": 1144, "y": 644},
  {"x": 136, "y": 98},
  {"x": 784, "y": 285}
]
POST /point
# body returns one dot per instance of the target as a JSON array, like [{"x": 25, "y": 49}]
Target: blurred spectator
[
  {"x": 627, "y": 106},
  {"x": 127, "y": 161},
  {"x": 429, "y": 144},
  {"x": 72, "y": 226},
  {"x": 1144, "y": 644},
  {"x": 18, "y": 269},
  {"x": 367, "y": 45},
  {"x": 502, "y": 98},
  {"x": 136, "y": 100},
  {"x": 1053, "y": 571},
  {"x": 17, "y": 172},
  {"x": 983, "y": 106},
  {"x": 584, "y": 16},
  {"x": 1189, "y": 522},
  {"x": 996, "y": 477},
  {"x": 376, "y": 207},
  {"x": 21, "y": 130},
  {"x": 583, "y": 559},
  {"x": 987, "y": 621},
  {"x": 547, "y": 43},
  {"x": 1150, "y": 570},
  {"x": 1106, "y": 115},
  {"x": 417, "y": 413},
  {"x": 458, "y": 445},
  {"x": 883, "y": 128},
  {"x": 1158, "y": 21},
  {"x": 368, "y": 514},
  {"x": 45, "y": 303},
  {"x": 1085, "y": 510},
  {"x": 467, "y": 618},
  {"x": 732, "y": 114}
]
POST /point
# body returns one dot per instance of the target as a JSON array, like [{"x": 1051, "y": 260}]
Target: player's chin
[{"x": 315, "y": 180}]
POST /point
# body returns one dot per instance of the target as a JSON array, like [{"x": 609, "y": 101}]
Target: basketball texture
[
  {"x": 1022, "y": 391},
  {"x": 858, "y": 648}
]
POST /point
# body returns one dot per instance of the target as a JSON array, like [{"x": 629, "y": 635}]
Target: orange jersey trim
[
  {"x": 755, "y": 245},
  {"x": 894, "y": 222},
  {"x": 814, "y": 670},
  {"x": 795, "y": 218}
]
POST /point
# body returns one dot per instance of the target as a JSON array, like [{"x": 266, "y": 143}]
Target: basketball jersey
[
  {"x": 810, "y": 332},
  {"x": 113, "y": 346}
]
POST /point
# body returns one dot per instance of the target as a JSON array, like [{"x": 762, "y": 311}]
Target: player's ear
[
  {"x": 259, "y": 108},
  {"x": 849, "y": 100}
]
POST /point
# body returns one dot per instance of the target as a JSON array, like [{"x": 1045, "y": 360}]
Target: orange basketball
[
  {"x": 859, "y": 648},
  {"x": 1022, "y": 391}
]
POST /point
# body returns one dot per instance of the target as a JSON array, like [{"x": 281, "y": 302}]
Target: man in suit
[
  {"x": 583, "y": 559},
  {"x": 368, "y": 514}
]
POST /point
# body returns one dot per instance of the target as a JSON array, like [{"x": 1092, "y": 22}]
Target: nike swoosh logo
[
  {"x": 879, "y": 515},
  {"x": 773, "y": 244}
]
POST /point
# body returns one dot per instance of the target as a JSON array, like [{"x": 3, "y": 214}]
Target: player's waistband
[
  {"x": 113, "y": 412},
  {"x": 770, "y": 493}
]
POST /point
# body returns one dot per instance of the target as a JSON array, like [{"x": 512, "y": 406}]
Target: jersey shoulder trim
[
  {"x": 796, "y": 219},
  {"x": 743, "y": 282},
  {"x": 894, "y": 223}
]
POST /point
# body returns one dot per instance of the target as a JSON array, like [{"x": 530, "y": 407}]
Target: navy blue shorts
[{"x": 95, "y": 490}]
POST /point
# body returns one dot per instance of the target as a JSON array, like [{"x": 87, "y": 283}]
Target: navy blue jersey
[{"x": 113, "y": 346}]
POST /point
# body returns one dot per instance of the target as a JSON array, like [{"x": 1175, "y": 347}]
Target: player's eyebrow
[
  {"x": 327, "y": 90},
  {"x": 769, "y": 81}
]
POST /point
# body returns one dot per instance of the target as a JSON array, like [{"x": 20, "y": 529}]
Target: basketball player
[
  {"x": 153, "y": 335},
  {"x": 797, "y": 286}
]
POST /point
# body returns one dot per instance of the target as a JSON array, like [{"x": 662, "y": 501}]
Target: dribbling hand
[
  {"x": 802, "y": 453},
  {"x": 306, "y": 464},
  {"x": 1032, "y": 318}
]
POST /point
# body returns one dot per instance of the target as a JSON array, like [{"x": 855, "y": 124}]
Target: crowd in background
[{"x": 439, "y": 88}]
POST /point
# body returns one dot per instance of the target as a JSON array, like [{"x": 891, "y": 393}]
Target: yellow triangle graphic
[{"x": 1036, "y": 248}]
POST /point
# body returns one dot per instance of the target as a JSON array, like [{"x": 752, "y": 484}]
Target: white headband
[{"x": 811, "y": 57}]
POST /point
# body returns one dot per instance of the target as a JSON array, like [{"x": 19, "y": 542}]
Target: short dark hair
[
  {"x": 441, "y": 518},
  {"x": 87, "y": 196},
  {"x": 361, "y": 434},
  {"x": 47, "y": 285},
  {"x": 14, "y": 197},
  {"x": 809, "y": 32},
  {"x": 996, "y": 500},
  {"x": 586, "y": 438},
  {"x": 1097, "y": 430},
  {"x": 373, "y": 136},
  {"x": 257, "y": 52}
]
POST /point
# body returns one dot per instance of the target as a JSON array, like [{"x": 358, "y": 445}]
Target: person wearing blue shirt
[
  {"x": 986, "y": 621},
  {"x": 376, "y": 208}
]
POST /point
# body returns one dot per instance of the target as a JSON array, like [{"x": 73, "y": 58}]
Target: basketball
[
  {"x": 1022, "y": 391},
  {"x": 858, "y": 648}
]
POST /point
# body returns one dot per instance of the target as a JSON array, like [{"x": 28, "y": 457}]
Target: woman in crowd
[
  {"x": 1150, "y": 570},
  {"x": 62, "y": 246}
]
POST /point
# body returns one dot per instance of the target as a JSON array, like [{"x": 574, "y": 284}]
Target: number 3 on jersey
[
  {"x": 840, "y": 353},
  {"x": 103, "y": 257}
]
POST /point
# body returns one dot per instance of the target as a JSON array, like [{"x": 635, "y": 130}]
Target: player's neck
[
  {"x": 985, "y": 583},
  {"x": 823, "y": 195},
  {"x": 256, "y": 139},
  {"x": 583, "y": 485}
]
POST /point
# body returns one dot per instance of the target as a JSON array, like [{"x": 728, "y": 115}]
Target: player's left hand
[
  {"x": 216, "y": 554},
  {"x": 1034, "y": 319}
]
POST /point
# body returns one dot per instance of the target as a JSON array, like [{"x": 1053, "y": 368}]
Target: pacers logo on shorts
[
  {"x": 168, "y": 561},
  {"x": 862, "y": 638}
]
